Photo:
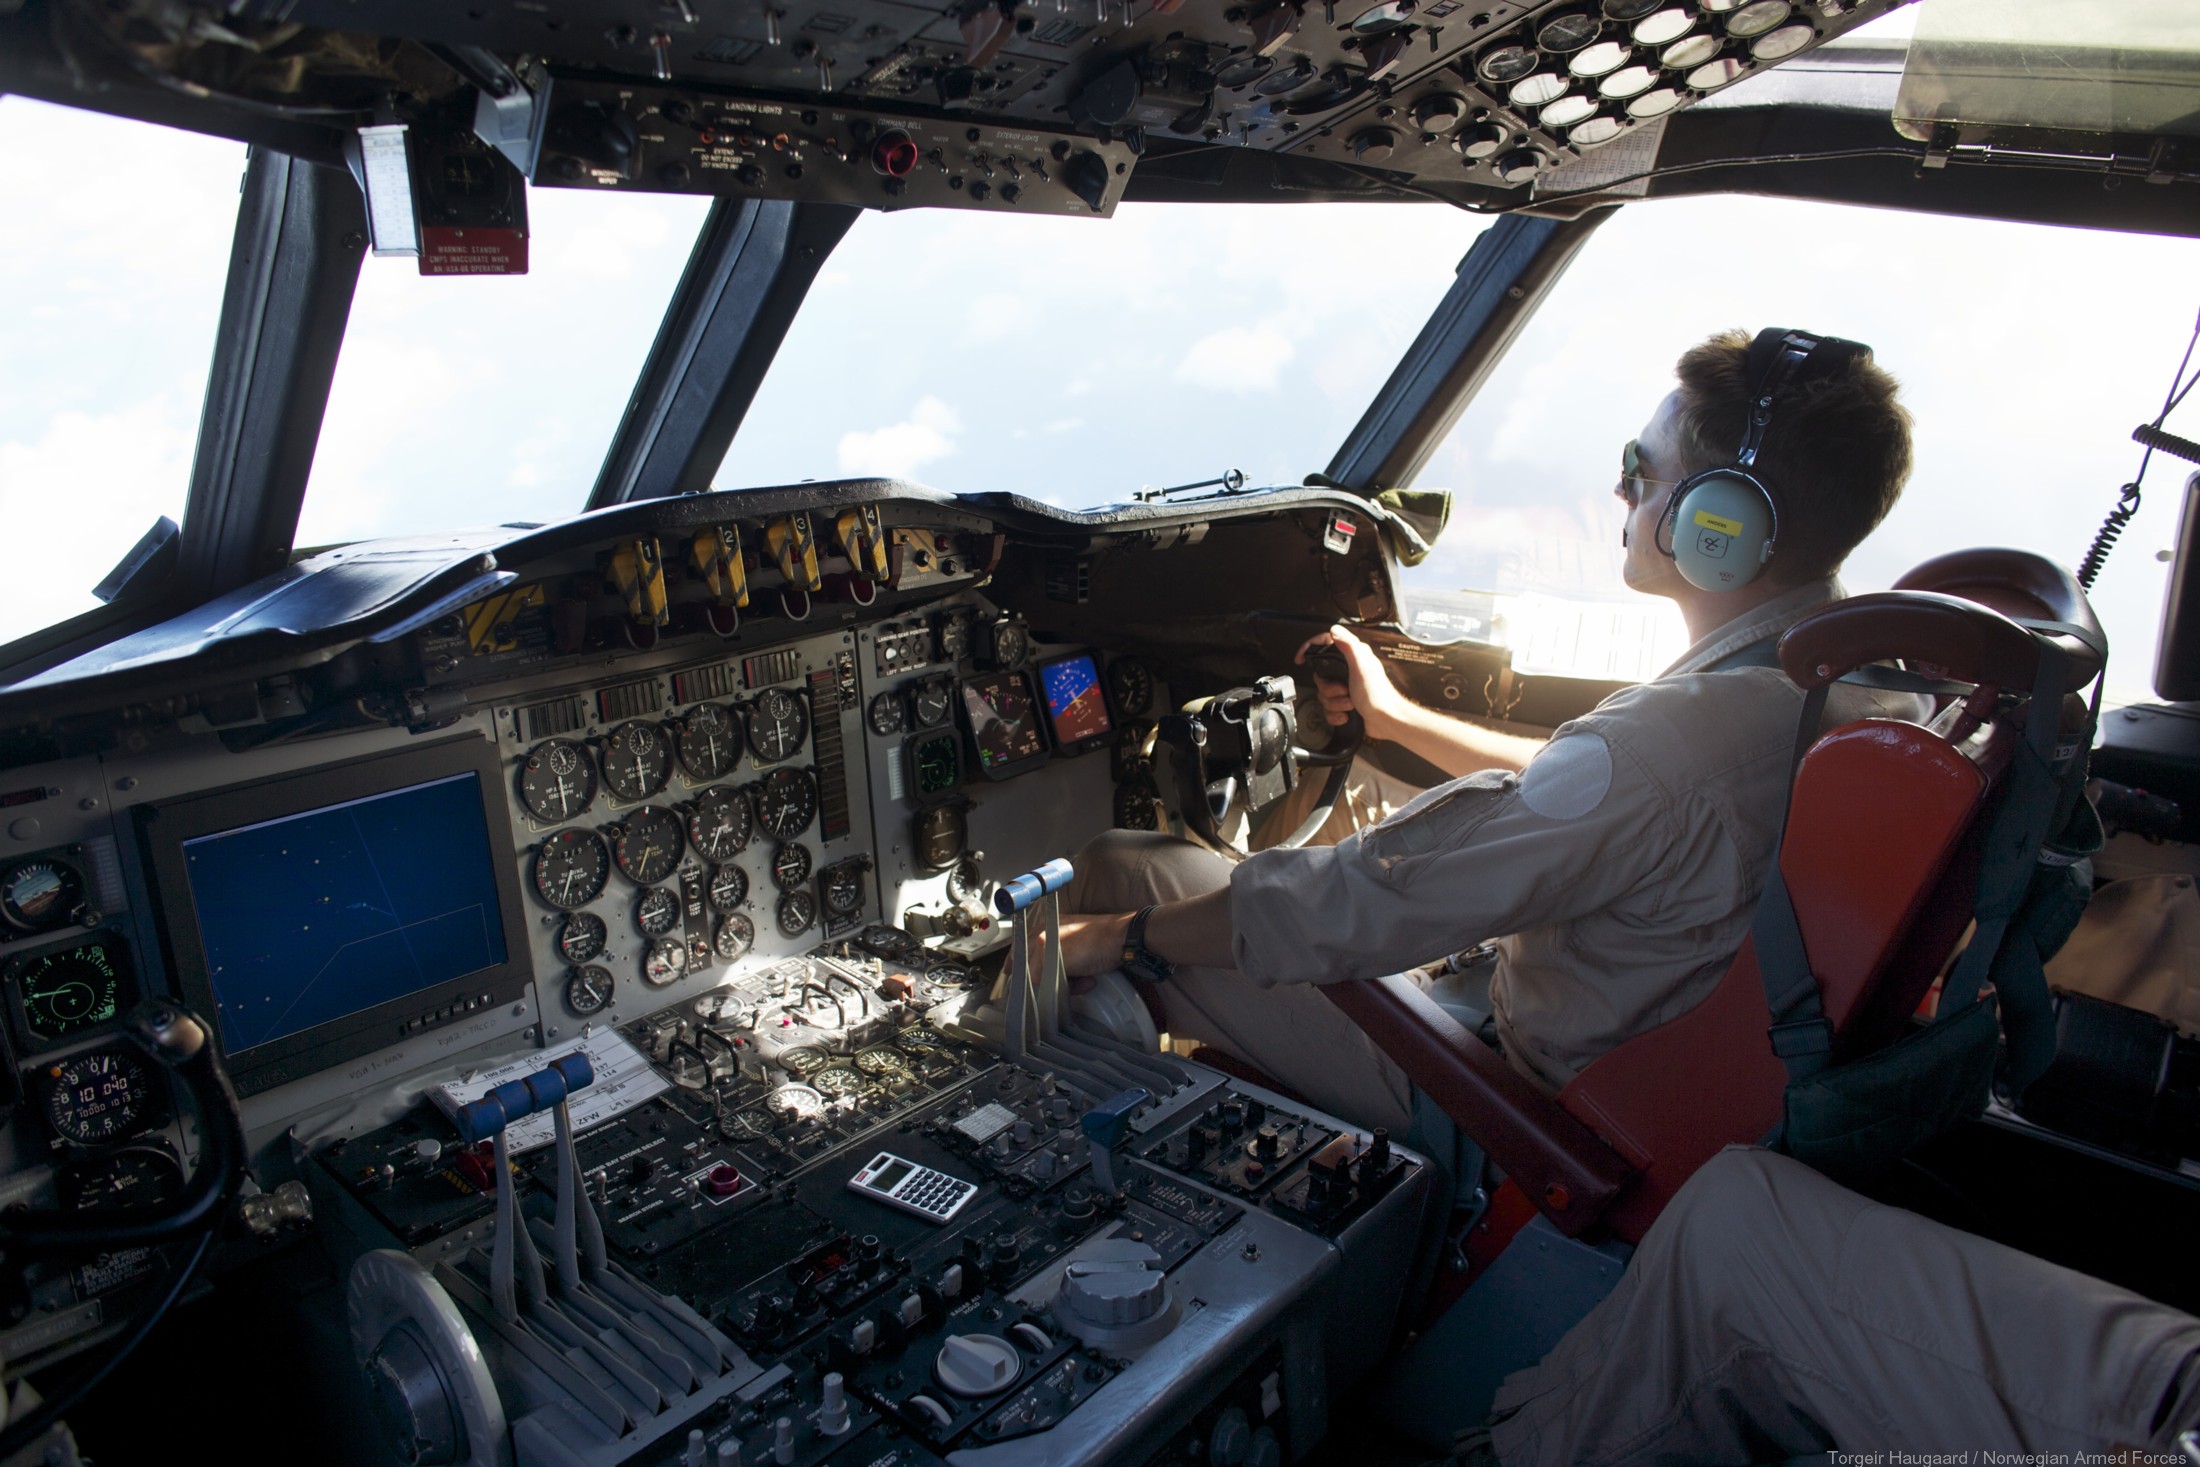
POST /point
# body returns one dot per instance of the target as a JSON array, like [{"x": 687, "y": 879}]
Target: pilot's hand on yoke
[{"x": 1367, "y": 690}]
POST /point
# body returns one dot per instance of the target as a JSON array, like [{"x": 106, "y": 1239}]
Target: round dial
[
  {"x": 647, "y": 844},
  {"x": 955, "y": 636},
  {"x": 136, "y": 1176},
  {"x": 964, "y": 883},
  {"x": 797, "y": 913},
  {"x": 556, "y": 781},
  {"x": 1134, "y": 806},
  {"x": 836, "y": 1082},
  {"x": 933, "y": 701},
  {"x": 888, "y": 942},
  {"x": 791, "y": 866},
  {"x": 709, "y": 742},
  {"x": 745, "y": 1125},
  {"x": 720, "y": 822},
  {"x": 882, "y": 1063},
  {"x": 842, "y": 889},
  {"x": 1130, "y": 687},
  {"x": 588, "y": 990},
  {"x": 915, "y": 1041},
  {"x": 887, "y": 715},
  {"x": 66, "y": 992},
  {"x": 658, "y": 912},
  {"x": 637, "y": 760},
  {"x": 38, "y": 896},
  {"x": 786, "y": 802},
  {"x": 736, "y": 935},
  {"x": 1386, "y": 16},
  {"x": 778, "y": 723},
  {"x": 1011, "y": 643},
  {"x": 1562, "y": 33},
  {"x": 802, "y": 1060},
  {"x": 729, "y": 888},
  {"x": 796, "y": 1103},
  {"x": 103, "y": 1096},
  {"x": 950, "y": 975},
  {"x": 570, "y": 869},
  {"x": 667, "y": 960},
  {"x": 582, "y": 938}
]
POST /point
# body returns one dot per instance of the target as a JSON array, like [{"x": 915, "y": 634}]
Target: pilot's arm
[{"x": 1451, "y": 744}]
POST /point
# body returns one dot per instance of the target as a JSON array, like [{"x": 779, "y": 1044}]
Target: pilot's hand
[
  {"x": 1092, "y": 944},
  {"x": 1367, "y": 690}
]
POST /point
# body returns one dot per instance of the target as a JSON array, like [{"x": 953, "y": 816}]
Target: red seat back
[{"x": 1880, "y": 813}]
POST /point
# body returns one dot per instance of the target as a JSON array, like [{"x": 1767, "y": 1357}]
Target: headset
[{"x": 1722, "y": 525}]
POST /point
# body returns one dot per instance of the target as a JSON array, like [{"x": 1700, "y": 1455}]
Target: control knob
[
  {"x": 1115, "y": 1296},
  {"x": 1373, "y": 144},
  {"x": 977, "y": 1365},
  {"x": 1441, "y": 112}
]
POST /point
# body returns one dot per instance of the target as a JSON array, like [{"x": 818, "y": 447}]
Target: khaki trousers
[
  {"x": 1770, "y": 1313},
  {"x": 1288, "y": 1031}
]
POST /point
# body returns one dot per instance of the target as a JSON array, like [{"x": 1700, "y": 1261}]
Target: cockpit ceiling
[{"x": 992, "y": 104}]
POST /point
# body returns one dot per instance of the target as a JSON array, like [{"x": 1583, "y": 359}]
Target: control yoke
[{"x": 1240, "y": 750}]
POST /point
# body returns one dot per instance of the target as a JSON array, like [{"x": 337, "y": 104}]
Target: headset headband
[{"x": 1778, "y": 359}]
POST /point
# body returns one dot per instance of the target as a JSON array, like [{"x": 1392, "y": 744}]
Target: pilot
[
  {"x": 1617, "y": 865},
  {"x": 1771, "y": 1313}
]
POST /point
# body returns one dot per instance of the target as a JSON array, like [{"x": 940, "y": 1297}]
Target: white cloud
[
  {"x": 1237, "y": 359},
  {"x": 898, "y": 450}
]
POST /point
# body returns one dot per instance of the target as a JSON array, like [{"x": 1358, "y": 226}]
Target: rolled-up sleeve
[{"x": 1491, "y": 854}]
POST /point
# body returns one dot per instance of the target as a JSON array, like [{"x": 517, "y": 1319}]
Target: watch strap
[{"x": 1140, "y": 961}]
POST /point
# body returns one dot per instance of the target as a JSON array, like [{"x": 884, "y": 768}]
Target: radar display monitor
[
  {"x": 321, "y": 917},
  {"x": 1003, "y": 719},
  {"x": 1077, "y": 708}
]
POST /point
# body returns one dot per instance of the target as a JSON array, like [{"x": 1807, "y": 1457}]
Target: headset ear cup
[{"x": 1722, "y": 531}]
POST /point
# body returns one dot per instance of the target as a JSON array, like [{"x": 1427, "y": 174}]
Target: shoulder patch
[{"x": 1569, "y": 778}]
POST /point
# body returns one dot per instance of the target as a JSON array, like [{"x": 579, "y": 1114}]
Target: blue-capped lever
[
  {"x": 1107, "y": 1126},
  {"x": 478, "y": 1120},
  {"x": 1019, "y": 892}
]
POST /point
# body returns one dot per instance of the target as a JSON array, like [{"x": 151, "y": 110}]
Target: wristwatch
[{"x": 1140, "y": 961}]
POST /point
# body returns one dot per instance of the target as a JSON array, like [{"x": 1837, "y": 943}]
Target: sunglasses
[{"x": 1633, "y": 483}]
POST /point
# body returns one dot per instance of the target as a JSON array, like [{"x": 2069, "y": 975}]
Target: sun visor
[{"x": 2006, "y": 67}]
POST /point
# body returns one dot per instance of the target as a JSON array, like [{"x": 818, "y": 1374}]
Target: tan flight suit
[
  {"x": 1770, "y": 1313},
  {"x": 1618, "y": 873}
]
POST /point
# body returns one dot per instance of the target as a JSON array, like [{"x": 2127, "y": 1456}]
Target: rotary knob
[
  {"x": 1521, "y": 165},
  {"x": 1116, "y": 1284},
  {"x": 1373, "y": 144},
  {"x": 977, "y": 1365},
  {"x": 1441, "y": 112},
  {"x": 1481, "y": 140}
]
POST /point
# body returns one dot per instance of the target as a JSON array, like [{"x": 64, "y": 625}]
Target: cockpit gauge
[
  {"x": 795, "y": 1103},
  {"x": 582, "y": 938},
  {"x": 1286, "y": 78},
  {"x": 667, "y": 960},
  {"x": 1008, "y": 644},
  {"x": 915, "y": 1041},
  {"x": 935, "y": 764},
  {"x": 728, "y": 888},
  {"x": 745, "y": 1125},
  {"x": 965, "y": 883},
  {"x": 135, "y": 1176},
  {"x": 720, "y": 823},
  {"x": 557, "y": 781},
  {"x": 101, "y": 1096},
  {"x": 955, "y": 635},
  {"x": 888, "y": 942},
  {"x": 802, "y": 1060},
  {"x": 841, "y": 889},
  {"x": 65, "y": 993},
  {"x": 932, "y": 702},
  {"x": 658, "y": 911},
  {"x": 647, "y": 844},
  {"x": 1630, "y": 9},
  {"x": 709, "y": 742},
  {"x": 41, "y": 895},
  {"x": 735, "y": 936},
  {"x": 570, "y": 869},
  {"x": 941, "y": 833},
  {"x": 1380, "y": 18},
  {"x": 1568, "y": 32},
  {"x": 791, "y": 866},
  {"x": 1130, "y": 687},
  {"x": 637, "y": 760},
  {"x": 1243, "y": 71},
  {"x": 588, "y": 990},
  {"x": 836, "y": 1082},
  {"x": 888, "y": 715},
  {"x": 1507, "y": 62},
  {"x": 786, "y": 802},
  {"x": 882, "y": 1064},
  {"x": 797, "y": 913},
  {"x": 1135, "y": 802},
  {"x": 778, "y": 723},
  {"x": 950, "y": 975}
]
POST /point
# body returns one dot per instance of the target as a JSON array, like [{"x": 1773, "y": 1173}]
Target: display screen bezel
[
  {"x": 1098, "y": 740},
  {"x": 1039, "y": 711},
  {"x": 164, "y": 826}
]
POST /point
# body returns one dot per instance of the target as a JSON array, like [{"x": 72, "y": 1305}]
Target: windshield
[
  {"x": 110, "y": 290},
  {"x": 2027, "y": 355},
  {"x": 1077, "y": 361},
  {"x": 469, "y": 400}
]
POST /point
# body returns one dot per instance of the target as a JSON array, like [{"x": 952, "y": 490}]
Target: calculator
[{"x": 900, "y": 1182}]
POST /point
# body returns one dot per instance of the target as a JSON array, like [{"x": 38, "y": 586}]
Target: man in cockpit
[{"x": 1617, "y": 865}]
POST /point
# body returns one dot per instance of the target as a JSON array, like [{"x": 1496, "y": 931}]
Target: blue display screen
[{"x": 324, "y": 914}]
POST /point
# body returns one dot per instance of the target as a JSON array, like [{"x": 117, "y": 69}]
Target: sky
[{"x": 1077, "y": 361}]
